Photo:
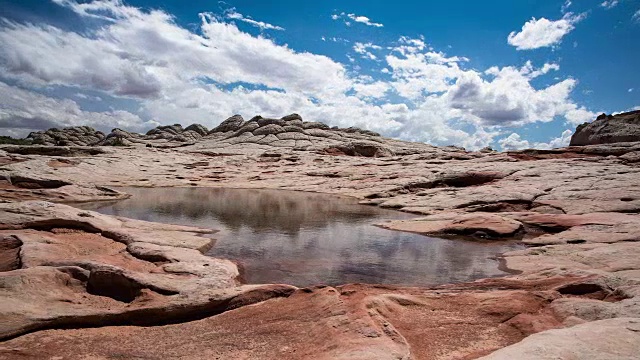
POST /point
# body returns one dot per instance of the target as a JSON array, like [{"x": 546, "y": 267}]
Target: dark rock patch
[
  {"x": 54, "y": 150},
  {"x": 359, "y": 148},
  {"x": 34, "y": 183},
  {"x": 114, "y": 284},
  {"x": 590, "y": 290},
  {"x": 266, "y": 121},
  {"x": 500, "y": 206},
  {"x": 292, "y": 117},
  {"x": 315, "y": 125},
  {"x": 464, "y": 179},
  {"x": 10, "y": 253}
]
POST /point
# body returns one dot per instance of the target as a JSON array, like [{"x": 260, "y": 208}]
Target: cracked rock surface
[{"x": 577, "y": 209}]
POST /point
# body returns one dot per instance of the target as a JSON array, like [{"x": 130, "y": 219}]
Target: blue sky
[{"x": 506, "y": 74}]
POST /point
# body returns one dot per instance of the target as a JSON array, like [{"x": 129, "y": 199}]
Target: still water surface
[{"x": 303, "y": 238}]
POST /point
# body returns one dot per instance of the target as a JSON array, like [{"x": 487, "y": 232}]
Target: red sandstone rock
[
  {"x": 481, "y": 225},
  {"x": 579, "y": 206}
]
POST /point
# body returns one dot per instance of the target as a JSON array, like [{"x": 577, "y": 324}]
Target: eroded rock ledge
[{"x": 73, "y": 268}]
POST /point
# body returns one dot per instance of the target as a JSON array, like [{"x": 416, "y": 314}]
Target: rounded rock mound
[
  {"x": 607, "y": 129},
  {"x": 233, "y": 123}
]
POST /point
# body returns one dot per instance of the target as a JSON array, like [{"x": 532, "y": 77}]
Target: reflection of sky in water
[{"x": 305, "y": 238}]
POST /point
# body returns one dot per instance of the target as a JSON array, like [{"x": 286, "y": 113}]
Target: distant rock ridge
[
  {"x": 294, "y": 133},
  {"x": 236, "y": 135},
  {"x": 607, "y": 129},
  {"x": 88, "y": 136},
  {"x": 77, "y": 135},
  {"x": 289, "y": 123},
  {"x": 289, "y": 130}
]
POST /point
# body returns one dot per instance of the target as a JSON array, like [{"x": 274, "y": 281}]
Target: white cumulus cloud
[
  {"x": 537, "y": 33},
  {"x": 516, "y": 142},
  {"x": 23, "y": 111}
]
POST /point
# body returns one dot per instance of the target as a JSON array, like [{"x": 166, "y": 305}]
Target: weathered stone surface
[
  {"x": 359, "y": 148},
  {"x": 269, "y": 129},
  {"x": 29, "y": 182},
  {"x": 54, "y": 150},
  {"x": 246, "y": 127},
  {"x": 118, "y": 137},
  {"x": 624, "y": 127},
  {"x": 318, "y": 133},
  {"x": 200, "y": 129},
  {"x": 576, "y": 208},
  {"x": 354, "y": 129},
  {"x": 475, "y": 224},
  {"x": 79, "y": 268},
  {"x": 292, "y": 117},
  {"x": 231, "y": 124},
  {"x": 174, "y": 129},
  {"x": 266, "y": 121},
  {"x": 294, "y": 128},
  {"x": 314, "y": 125},
  {"x": 176, "y": 133},
  {"x": 57, "y": 296},
  {"x": 346, "y": 322},
  {"x": 113, "y": 283},
  {"x": 599, "y": 340},
  {"x": 10, "y": 253}
]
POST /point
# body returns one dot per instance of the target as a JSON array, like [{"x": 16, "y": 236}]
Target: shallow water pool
[{"x": 304, "y": 238}]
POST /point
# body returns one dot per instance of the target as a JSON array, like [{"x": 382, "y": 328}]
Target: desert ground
[{"x": 76, "y": 284}]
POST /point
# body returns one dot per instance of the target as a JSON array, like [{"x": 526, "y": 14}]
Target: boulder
[
  {"x": 200, "y": 129},
  {"x": 266, "y": 121},
  {"x": 249, "y": 126},
  {"x": 233, "y": 123},
  {"x": 118, "y": 137},
  {"x": 357, "y": 130},
  {"x": 291, "y": 128},
  {"x": 167, "y": 130},
  {"x": 189, "y": 135},
  {"x": 608, "y": 129},
  {"x": 292, "y": 117},
  {"x": 314, "y": 125}
]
